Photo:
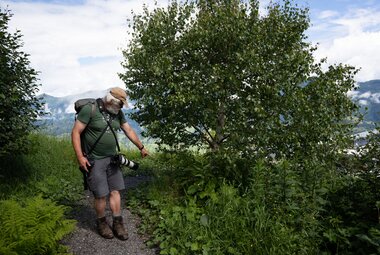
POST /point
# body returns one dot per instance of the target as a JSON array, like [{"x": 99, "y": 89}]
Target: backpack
[{"x": 80, "y": 103}]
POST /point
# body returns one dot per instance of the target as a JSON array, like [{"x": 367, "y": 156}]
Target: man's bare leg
[
  {"x": 100, "y": 206},
  {"x": 115, "y": 203},
  {"x": 118, "y": 226}
]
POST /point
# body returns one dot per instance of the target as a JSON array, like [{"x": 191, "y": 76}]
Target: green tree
[
  {"x": 219, "y": 74},
  {"x": 19, "y": 107}
]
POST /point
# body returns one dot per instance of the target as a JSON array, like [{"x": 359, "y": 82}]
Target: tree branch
[
  {"x": 210, "y": 142},
  {"x": 206, "y": 129}
]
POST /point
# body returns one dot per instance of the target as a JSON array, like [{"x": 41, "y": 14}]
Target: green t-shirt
[{"x": 107, "y": 144}]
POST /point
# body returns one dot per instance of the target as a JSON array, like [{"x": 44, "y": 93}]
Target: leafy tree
[
  {"x": 219, "y": 74},
  {"x": 19, "y": 107}
]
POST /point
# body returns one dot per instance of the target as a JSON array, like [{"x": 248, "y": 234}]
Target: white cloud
[
  {"x": 263, "y": 11},
  {"x": 352, "y": 39},
  {"x": 328, "y": 14},
  {"x": 365, "y": 95},
  {"x": 353, "y": 93},
  {"x": 69, "y": 109},
  {"x": 376, "y": 98},
  {"x": 59, "y": 36}
]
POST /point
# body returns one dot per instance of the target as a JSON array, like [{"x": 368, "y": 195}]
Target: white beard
[{"x": 112, "y": 109}]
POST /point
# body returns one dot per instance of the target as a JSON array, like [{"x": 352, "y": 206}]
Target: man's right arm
[{"x": 75, "y": 139}]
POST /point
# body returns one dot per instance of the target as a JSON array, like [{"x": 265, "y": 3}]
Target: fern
[{"x": 34, "y": 227}]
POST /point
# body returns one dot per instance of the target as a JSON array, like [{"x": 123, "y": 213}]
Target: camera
[
  {"x": 121, "y": 160},
  {"x": 86, "y": 173}
]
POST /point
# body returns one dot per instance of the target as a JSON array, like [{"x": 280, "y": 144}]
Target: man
[{"x": 104, "y": 178}]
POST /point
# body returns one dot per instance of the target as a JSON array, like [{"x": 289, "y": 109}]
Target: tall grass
[{"x": 49, "y": 169}]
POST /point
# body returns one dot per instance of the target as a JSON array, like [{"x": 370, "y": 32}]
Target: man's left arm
[{"x": 132, "y": 136}]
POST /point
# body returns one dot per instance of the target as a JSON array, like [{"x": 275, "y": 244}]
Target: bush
[{"x": 33, "y": 227}]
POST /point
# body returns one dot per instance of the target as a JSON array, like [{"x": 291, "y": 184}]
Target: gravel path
[{"x": 86, "y": 240}]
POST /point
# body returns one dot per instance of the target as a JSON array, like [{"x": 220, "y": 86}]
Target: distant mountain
[
  {"x": 60, "y": 113},
  {"x": 367, "y": 96}
]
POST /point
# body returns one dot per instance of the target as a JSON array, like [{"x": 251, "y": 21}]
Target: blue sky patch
[{"x": 91, "y": 60}]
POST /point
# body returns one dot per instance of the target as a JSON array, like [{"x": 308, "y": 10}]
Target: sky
[{"x": 76, "y": 45}]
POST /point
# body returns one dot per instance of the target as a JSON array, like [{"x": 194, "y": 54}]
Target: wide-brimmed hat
[{"x": 119, "y": 94}]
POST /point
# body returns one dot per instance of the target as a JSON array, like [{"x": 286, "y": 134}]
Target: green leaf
[
  {"x": 194, "y": 246},
  {"x": 192, "y": 189},
  {"x": 204, "y": 220}
]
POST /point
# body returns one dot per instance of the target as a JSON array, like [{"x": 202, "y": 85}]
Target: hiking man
[{"x": 103, "y": 176}]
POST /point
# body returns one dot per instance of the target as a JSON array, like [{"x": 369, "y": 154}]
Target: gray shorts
[{"x": 104, "y": 178}]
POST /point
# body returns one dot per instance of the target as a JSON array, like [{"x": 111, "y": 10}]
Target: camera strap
[
  {"x": 113, "y": 132},
  {"x": 102, "y": 111},
  {"x": 97, "y": 140}
]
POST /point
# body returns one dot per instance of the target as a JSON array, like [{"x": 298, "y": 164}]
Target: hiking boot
[
  {"x": 118, "y": 228},
  {"x": 103, "y": 229}
]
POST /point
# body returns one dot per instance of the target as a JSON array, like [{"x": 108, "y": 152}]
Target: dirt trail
[{"x": 85, "y": 240}]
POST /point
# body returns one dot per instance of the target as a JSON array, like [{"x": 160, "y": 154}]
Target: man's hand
[
  {"x": 144, "y": 153},
  {"x": 83, "y": 163}
]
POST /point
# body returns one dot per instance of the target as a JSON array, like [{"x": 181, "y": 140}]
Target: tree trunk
[{"x": 219, "y": 136}]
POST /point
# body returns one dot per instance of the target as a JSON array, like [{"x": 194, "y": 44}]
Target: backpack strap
[
  {"x": 100, "y": 105},
  {"x": 98, "y": 102},
  {"x": 93, "y": 107}
]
